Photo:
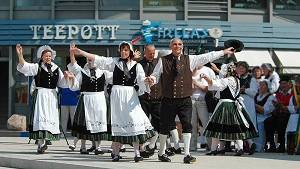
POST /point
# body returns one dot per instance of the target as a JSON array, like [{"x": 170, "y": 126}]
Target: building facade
[{"x": 269, "y": 29}]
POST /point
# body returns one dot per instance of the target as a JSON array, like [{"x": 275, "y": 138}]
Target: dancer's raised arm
[{"x": 20, "y": 54}]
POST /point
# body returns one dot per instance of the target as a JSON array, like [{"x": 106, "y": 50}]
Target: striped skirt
[
  {"x": 227, "y": 124},
  {"x": 142, "y": 138},
  {"x": 79, "y": 129},
  {"x": 40, "y": 134}
]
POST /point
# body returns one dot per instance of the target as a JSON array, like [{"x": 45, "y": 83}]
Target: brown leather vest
[
  {"x": 155, "y": 93},
  {"x": 176, "y": 85}
]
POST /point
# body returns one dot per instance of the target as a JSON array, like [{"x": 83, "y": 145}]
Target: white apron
[
  {"x": 127, "y": 115},
  {"x": 95, "y": 111},
  {"x": 250, "y": 108},
  {"x": 46, "y": 116}
]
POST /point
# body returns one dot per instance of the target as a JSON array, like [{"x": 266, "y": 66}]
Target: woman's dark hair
[
  {"x": 256, "y": 67},
  {"x": 45, "y": 51},
  {"x": 131, "y": 56},
  {"x": 229, "y": 60},
  {"x": 244, "y": 64}
]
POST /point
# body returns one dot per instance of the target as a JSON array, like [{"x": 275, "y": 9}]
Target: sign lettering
[{"x": 69, "y": 31}]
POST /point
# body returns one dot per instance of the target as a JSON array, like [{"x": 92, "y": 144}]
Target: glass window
[
  {"x": 32, "y": 3},
  {"x": 22, "y": 81},
  {"x": 162, "y": 3},
  {"x": 133, "y": 3},
  {"x": 58, "y": 61},
  {"x": 4, "y": 2},
  {"x": 254, "y": 4},
  {"x": 4, "y": 51},
  {"x": 287, "y": 4}
]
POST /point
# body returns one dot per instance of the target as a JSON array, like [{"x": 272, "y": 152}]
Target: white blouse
[
  {"x": 31, "y": 69},
  {"x": 268, "y": 106},
  {"x": 253, "y": 89},
  {"x": 109, "y": 63},
  {"x": 76, "y": 69},
  {"x": 275, "y": 82},
  {"x": 223, "y": 83},
  {"x": 195, "y": 60}
]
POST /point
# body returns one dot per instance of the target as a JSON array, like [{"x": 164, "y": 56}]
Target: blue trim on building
[{"x": 253, "y": 35}]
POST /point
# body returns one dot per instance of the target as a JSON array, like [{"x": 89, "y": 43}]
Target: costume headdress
[{"x": 42, "y": 49}]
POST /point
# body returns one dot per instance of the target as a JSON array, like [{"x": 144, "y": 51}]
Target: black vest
[
  {"x": 45, "y": 80},
  {"x": 263, "y": 101},
  {"x": 156, "y": 92},
  {"x": 92, "y": 86},
  {"x": 119, "y": 77},
  {"x": 226, "y": 94},
  {"x": 245, "y": 82}
]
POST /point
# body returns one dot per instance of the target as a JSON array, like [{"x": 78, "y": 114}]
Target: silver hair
[
  {"x": 171, "y": 41},
  {"x": 149, "y": 44},
  {"x": 162, "y": 53}
]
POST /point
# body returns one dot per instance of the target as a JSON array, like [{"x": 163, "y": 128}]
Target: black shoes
[
  {"x": 99, "y": 152},
  {"x": 123, "y": 150},
  {"x": 72, "y": 147},
  {"x": 176, "y": 151},
  {"x": 215, "y": 152},
  {"x": 42, "y": 150},
  {"x": 113, "y": 156},
  {"x": 169, "y": 152},
  {"x": 48, "y": 142},
  {"x": 228, "y": 149},
  {"x": 84, "y": 151},
  {"x": 188, "y": 159},
  {"x": 239, "y": 153},
  {"x": 271, "y": 150},
  {"x": 91, "y": 149},
  {"x": 116, "y": 158},
  {"x": 137, "y": 159},
  {"x": 221, "y": 151},
  {"x": 145, "y": 154},
  {"x": 150, "y": 150},
  {"x": 164, "y": 158},
  {"x": 252, "y": 149},
  {"x": 202, "y": 145}
]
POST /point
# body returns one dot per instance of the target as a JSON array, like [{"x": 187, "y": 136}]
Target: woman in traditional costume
[
  {"x": 230, "y": 121},
  {"x": 44, "y": 115},
  {"x": 264, "y": 108},
  {"x": 129, "y": 124},
  {"x": 90, "y": 119}
]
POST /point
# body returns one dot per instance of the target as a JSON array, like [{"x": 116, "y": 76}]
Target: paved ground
[{"x": 16, "y": 153}]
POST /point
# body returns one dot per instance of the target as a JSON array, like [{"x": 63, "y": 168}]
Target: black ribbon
[
  {"x": 177, "y": 64},
  {"x": 93, "y": 74},
  {"x": 125, "y": 68},
  {"x": 48, "y": 66},
  {"x": 150, "y": 68}
]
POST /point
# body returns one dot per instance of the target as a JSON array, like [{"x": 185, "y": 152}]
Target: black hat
[
  {"x": 236, "y": 44},
  {"x": 284, "y": 79}
]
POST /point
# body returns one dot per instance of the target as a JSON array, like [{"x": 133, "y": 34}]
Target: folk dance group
[{"x": 158, "y": 86}]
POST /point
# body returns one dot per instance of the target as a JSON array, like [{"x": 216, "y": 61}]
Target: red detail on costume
[{"x": 284, "y": 99}]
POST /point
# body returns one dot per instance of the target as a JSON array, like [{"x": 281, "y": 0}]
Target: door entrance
[{"x": 4, "y": 94}]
